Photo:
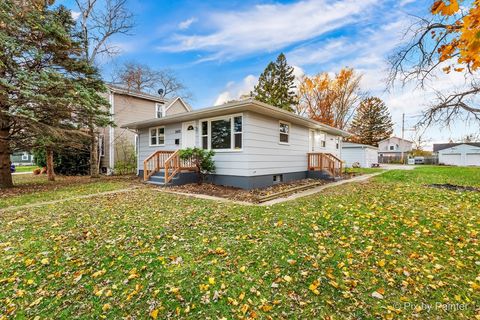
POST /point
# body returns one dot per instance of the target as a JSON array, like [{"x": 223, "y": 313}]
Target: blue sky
[{"x": 218, "y": 48}]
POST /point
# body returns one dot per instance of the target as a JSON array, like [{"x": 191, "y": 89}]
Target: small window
[
  {"x": 190, "y": 128},
  {"x": 323, "y": 140},
  {"x": 392, "y": 148},
  {"x": 204, "y": 134},
  {"x": 284, "y": 132},
  {"x": 277, "y": 178},
  {"x": 157, "y": 136},
  {"x": 25, "y": 156},
  {"x": 159, "y": 110}
]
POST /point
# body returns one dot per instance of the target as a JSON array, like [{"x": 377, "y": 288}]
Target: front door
[
  {"x": 188, "y": 135},
  {"x": 311, "y": 141}
]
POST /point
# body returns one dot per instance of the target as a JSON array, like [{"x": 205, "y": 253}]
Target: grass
[
  {"x": 33, "y": 189},
  {"x": 382, "y": 249},
  {"x": 25, "y": 168}
]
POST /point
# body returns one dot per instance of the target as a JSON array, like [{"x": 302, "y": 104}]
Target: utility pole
[{"x": 403, "y": 135}]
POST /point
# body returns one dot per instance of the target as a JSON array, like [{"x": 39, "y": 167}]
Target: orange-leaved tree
[
  {"x": 330, "y": 100},
  {"x": 446, "y": 41}
]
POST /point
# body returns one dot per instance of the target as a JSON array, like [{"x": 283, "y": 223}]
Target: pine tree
[
  {"x": 276, "y": 83},
  {"x": 372, "y": 122},
  {"x": 46, "y": 88}
]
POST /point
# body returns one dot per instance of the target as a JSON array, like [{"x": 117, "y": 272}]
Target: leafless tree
[
  {"x": 136, "y": 76},
  {"x": 418, "y": 61},
  {"x": 98, "y": 22}
]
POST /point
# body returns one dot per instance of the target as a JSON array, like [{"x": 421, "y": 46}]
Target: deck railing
[
  {"x": 318, "y": 161},
  {"x": 169, "y": 161}
]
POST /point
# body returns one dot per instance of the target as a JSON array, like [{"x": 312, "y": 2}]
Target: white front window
[
  {"x": 222, "y": 133},
  {"x": 157, "y": 136},
  {"x": 284, "y": 132},
  {"x": 25, "y": 156},
  {"x": 323, "y": 140},
  {"x": 159, "y": 110}
]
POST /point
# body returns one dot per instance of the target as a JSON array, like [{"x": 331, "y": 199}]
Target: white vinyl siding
[{"x": 261, "y": 152}]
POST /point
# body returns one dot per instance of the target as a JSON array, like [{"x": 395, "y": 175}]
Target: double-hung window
[
  {"x": 284, "y": 132},
  {"x": 159, "y": 110},
  {"x": 157, "y": 136},
  {"x": 323, "y": 140},
  {"x": 223, "y": 133}
]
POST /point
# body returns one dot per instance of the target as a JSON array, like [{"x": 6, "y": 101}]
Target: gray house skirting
[{"x": 252, "y": 182}]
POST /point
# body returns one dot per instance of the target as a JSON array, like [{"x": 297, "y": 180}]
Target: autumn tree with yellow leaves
[
  {"x": 330, "y": 100},
  {"x": 445, "y": 42}
]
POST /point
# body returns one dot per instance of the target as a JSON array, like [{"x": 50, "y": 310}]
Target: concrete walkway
[
  {"x": 39, "y": 204},
  {"x": 278, "y": 200},
  {"x": 309, "y": 192}
]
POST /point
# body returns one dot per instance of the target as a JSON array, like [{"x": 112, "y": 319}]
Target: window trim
[
  {"x": 157, "y": 107},
  {"x": 232, "y": 132},
  {"x": 25, "y": 156},
  {"x": 288, "y": 134},
  {"x": 150, "y": 136}
]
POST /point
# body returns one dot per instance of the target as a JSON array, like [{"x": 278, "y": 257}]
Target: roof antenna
[{"x": 160, "y": 92}]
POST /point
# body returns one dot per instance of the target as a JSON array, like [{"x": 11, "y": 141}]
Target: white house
[
  {"x": 393, "y": 148},
  {"x": 256, "y": 145},
  {"x": 364, "y": 154},
  {"x": 458, "y": 154}
]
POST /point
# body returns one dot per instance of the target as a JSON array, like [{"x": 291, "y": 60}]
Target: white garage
[
  {"x": 458, "y": 154},
  {"x": 364, "y": 154}
]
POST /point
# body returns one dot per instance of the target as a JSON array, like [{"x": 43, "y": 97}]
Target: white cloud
[
  {"x": 75, "y": 14},
  {"x": 186, "y": 23},
  {"x": 265, "y": 28},
  {"x": 234, "y": 90}
]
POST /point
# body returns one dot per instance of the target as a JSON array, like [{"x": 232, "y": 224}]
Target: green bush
[{"x": 202, "y": 159}]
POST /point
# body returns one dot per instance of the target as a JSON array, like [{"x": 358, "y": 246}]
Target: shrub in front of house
[{"x": 202, "y": 160}]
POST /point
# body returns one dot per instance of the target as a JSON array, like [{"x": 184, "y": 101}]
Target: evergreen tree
[
  {"x": 372, "y": 123},
  {"x": 276, "y": 83},
  {"x": 46, "y": 88}
]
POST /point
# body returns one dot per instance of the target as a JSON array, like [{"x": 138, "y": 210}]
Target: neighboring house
[
  {"x": 22, "y": 158},
  {"x": 364, "y": 154},
  {"x": 458, "y": 154},
  {"x": 119, "y": 144},
  {"x": 256, "y": 145},
  {"x": 394, "y": 147}
]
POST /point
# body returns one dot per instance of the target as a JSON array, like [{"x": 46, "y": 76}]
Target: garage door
[
  {"x": 473, "y": 159},
  {"x": 451, "y": 158}
]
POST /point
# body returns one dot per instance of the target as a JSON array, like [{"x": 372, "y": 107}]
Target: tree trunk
[
  {"x": 5, "y": 174},
  {"x": 50, "y": 171},
  {"x": 94, "y": 167}
]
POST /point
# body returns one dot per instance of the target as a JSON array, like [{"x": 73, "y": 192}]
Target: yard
[{"x": 390, "y": 248}]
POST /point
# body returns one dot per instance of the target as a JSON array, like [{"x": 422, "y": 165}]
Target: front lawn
[
  {"x": 33, "y": 189},
  {"x": 389, "y": 248},
  {"x": 25, "y": 168}
]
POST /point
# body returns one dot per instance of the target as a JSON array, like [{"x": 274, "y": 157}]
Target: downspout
[{"x": 111, "y": 138}]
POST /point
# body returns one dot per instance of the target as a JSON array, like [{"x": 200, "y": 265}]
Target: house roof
[
  {"x": 235, "y": 107},
  {"x": 441, "y": 146},
  {"x": 136, "y": 93},
  {"x": 396, "y": 138},
  {"x": 357, "y": 145}
]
